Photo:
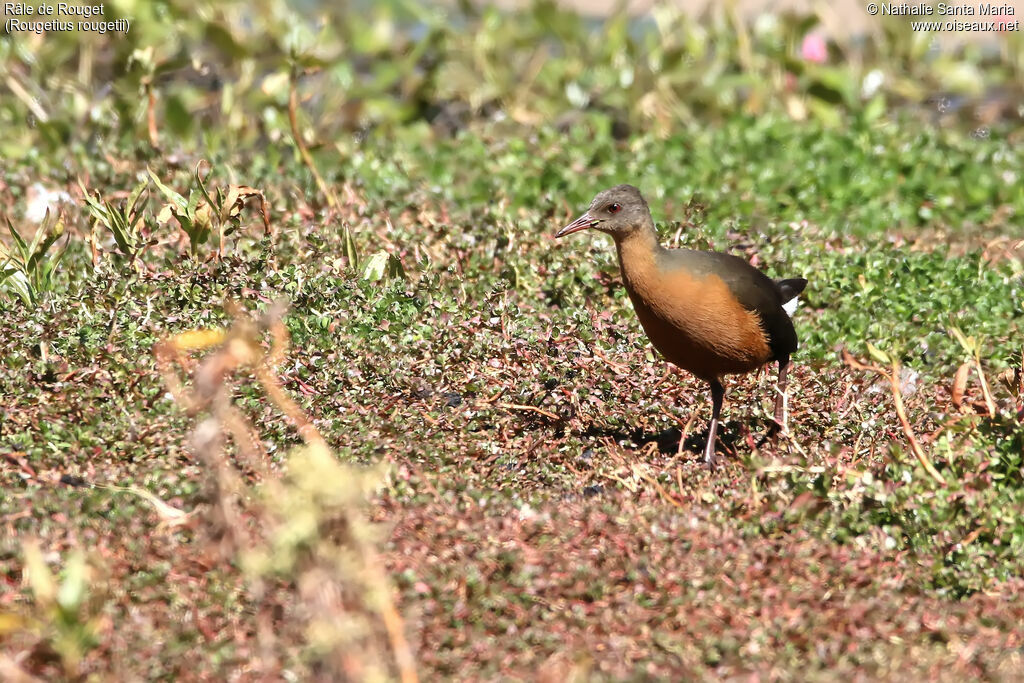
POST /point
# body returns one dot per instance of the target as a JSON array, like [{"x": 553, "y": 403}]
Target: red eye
[{"x": 614, "y": 208}]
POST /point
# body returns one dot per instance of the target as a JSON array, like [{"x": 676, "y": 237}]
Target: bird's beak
[{"x": 582, "y": 223}]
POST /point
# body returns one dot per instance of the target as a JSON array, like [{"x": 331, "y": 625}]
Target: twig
[
  {"x": 685, "y": 427},
  {"x": 392, "y": 621},
  {"x": 661, "y": 491},
  {"x": 151, "y": 129},
  {"x": 617, "y": 367},
  {"x": 29, "y": 101},
  {"x": 307, "y": 159},
  {"x": 516, "y": 406},
  {"x": 794, "y": 444},
  {"x": 973, "y": 347},
  {"x": 893, "y": 376},
  {"x": 786, "y": 469},
  {"x": 990, "y": 402}
]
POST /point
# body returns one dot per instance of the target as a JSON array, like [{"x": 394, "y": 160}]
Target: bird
[{"x": 707, "y": 312}]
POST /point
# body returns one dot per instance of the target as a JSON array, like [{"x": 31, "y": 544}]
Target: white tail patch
[{"x": 790, "y": 306}]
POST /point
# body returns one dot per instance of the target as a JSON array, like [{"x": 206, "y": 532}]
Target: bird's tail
[{"x": 790, "y": 289}]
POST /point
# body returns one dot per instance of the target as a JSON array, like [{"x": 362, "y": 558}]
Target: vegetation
[{"x": 295, "y": 376}]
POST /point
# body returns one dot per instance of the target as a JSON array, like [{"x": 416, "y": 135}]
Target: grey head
[{"x": 617, "y": 211}]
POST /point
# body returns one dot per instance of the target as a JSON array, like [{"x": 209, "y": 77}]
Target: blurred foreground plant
[
  {"x": 66, "y": 617},
  {"x": 310, "y": 528}
]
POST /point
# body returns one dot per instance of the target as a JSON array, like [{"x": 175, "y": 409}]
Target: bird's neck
[{"x": 638, "y": 249}]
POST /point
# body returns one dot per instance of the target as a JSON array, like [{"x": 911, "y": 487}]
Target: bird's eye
[{"x": 614, "y": 208}]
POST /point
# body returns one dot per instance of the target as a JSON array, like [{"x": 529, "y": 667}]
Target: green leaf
[
  {"x": 41, "y": 231},
  {"x": 874, "y": 109},
  {"x": 825, "y": 112},
  {"x": 118, "y": 228},
  {"x": 94, "y": 205},
  {"x": 349, "y": 248},
  {"x": 44, "y": 240},
  {"x": 186, "y": 223},
  {"x": 376, "y": 266},
  {"x": 969, "y": 344},
  {"x": 170, "y": 194},
  {"x": 134, "y": 197},
  {"x": 395, "y": 267},
  {"x": 193, "y": 202},
  {"x": 73, "y": 589},
  {"x": 202, "y": 186},
  {"x": 37, "y": 574},
  {"x": 22, "y": 247},
  {"x": 878, "y": 354},
  {"x": 832, "y": 84}
]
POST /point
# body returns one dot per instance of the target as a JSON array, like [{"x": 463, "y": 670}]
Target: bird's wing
[{"x": 753, "y": 289}]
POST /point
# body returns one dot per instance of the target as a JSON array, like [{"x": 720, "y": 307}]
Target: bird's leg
[
  {"x": 717, "y": 395},
  {"x": 780, "y": 396}
]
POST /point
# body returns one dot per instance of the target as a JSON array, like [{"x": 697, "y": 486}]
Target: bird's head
[{"x": 617, "y": 211}]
